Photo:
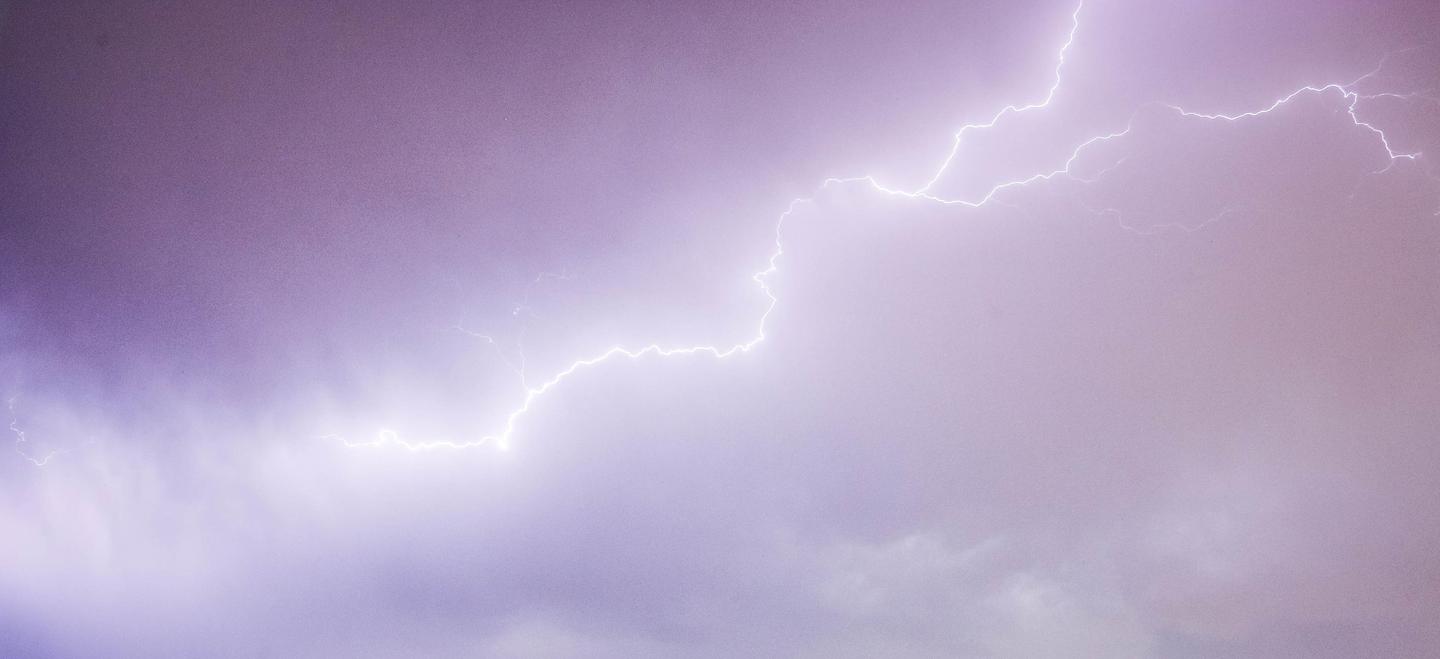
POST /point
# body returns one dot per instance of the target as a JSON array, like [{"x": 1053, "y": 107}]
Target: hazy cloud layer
[{"x": 1178, "y": 400}]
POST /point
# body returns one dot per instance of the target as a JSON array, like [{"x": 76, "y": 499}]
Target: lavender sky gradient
[{"x": 1179, "y": 397}]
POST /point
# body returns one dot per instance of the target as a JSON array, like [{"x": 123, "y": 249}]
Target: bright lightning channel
[{"x": 502, "y": 439}]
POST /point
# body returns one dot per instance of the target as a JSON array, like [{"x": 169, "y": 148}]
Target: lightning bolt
[{"x": 1346, "y": 91}]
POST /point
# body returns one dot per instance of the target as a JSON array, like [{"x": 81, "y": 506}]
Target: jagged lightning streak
[
  {"x": 923, "y": 193},
  {"x": 502, "y": 439},
  {"x": 1009, "y": 109},
  {"x": 1352, "y": 97},
  {"x": 1345, "y": 91}
]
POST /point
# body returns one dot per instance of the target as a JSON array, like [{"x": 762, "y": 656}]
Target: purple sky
[{"x": 354, "y": 330}]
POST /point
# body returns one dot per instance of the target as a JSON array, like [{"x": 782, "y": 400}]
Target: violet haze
[{"x": 666, "y": 329}]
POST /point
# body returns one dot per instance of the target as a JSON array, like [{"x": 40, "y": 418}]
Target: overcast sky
[{"x": 366, "y": 330}]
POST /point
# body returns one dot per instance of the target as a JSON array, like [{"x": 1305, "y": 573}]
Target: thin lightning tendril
[
  {"x": 21, "y": 440},
  {"x": 924, "y": 193}
]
